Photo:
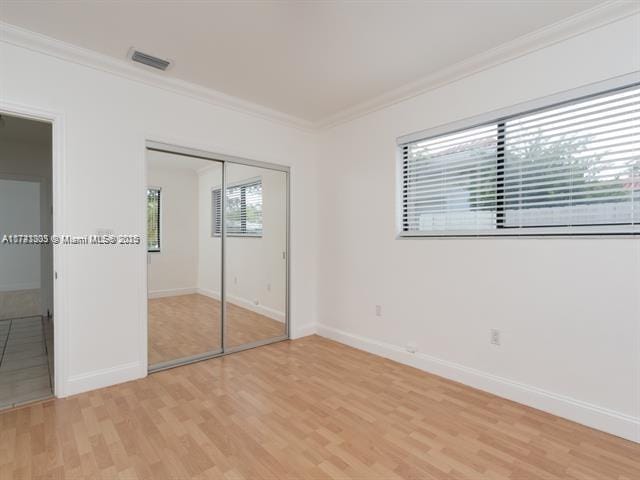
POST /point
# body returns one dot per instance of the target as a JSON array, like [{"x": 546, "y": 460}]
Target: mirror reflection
[
  {"x": 255, "y": 251},
  {"x": 186, "y": 257},
  {"x": 184, "y": 265}
]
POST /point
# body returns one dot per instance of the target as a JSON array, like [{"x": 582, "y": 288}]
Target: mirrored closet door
[
  {"x": 255, "y": 255},
  {"x": 217, "y": 239},
  {"x": 184, "y": 260}
]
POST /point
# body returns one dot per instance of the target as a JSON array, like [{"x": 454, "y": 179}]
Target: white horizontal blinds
[
  {"x": 244, "y": 209},
  {"x": 153, "y": 219},
  {"x": 576, "y": 165},
  {"x": 216, "y": 213},
  {"x": 450, "y": 182}
]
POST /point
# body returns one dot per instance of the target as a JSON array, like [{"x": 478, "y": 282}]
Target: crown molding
[
  {"x": 586, "y": 21},
  {"x": 30, "y": 40},
  {"x": 575, "y": 25}
]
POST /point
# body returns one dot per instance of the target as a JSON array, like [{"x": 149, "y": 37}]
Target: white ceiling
[{"x": 308, "y": 60}]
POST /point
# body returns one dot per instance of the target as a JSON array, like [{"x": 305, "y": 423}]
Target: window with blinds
[
  {"x": 153, "y": 219},
  {"x": 216, "y": 209},
  {"x": 243, "y": 212},
  {"x": 573, "y": 168}
]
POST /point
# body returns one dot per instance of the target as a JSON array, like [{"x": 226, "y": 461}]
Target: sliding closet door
[
  {"x": 184, "y": 243},
  {"x": 255, "y": 256}
]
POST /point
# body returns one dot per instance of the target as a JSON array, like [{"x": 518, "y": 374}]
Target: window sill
[
  {"x": 532, "y": 236},
  {"x": 239, "y": 236}
]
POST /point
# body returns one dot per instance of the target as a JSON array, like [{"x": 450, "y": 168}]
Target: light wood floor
[
  {"x": 186, "y": 325},
  {"x": 309, "y": 408}
]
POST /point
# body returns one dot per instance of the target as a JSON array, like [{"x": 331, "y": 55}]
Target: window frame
[
  {"x": 214, "y": 212},
  {"x": 500, "y": 117},
  {"x": 159, "y": 223},
  {"x": 243, "y": 184}
]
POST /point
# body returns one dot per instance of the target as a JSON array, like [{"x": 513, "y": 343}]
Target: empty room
[{"x": 320, "y": 239}]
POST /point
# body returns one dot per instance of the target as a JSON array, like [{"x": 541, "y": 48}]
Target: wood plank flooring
[
  {"x": 185, "y": 325},
  {"x": 309, "y": 408}
]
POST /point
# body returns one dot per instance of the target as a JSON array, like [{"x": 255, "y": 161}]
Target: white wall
[
  {"x": 107, "y": 119},
  {"x": 32, "y": 160},
  {"x": 568, "y": 309},
  {"x": 174, "y": 269},
  {"x": 209, "y": 248},
  {"x": 19, "y": 214}
]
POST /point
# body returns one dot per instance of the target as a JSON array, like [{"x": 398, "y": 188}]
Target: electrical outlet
[
  {"x": 378, "y": 310},
  {"x": 411, "y": 347},
  {"x": 494, "y": 336}
]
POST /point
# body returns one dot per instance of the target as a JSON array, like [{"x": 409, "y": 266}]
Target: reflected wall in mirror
[
  {"x": 184, "y": 261},
  {"x": 255, "y": 254}
]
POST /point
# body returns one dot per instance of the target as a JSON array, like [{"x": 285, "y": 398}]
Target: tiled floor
[
  {"x": 20, "y": 303},
  {"x": 24, "y": 364}
]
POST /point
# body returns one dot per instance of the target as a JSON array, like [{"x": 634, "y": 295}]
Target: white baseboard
[
  {"x": 616, "y": 423},
  {"x": 172, "y": 292},
  {"x": 303, "y": 330},
  {"x": 245, "y": 303},
  {"x": 19, "y": 286},
  {"x": 260, "y": 309},
  {"x": 209, "y": 293},
  {"x": 103, "y": 378}
]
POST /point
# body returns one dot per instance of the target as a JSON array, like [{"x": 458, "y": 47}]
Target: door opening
[{"x": 26, "y": 254}]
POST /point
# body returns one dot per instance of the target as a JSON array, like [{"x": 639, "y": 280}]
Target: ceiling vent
[{"x": 149, "y": 60}]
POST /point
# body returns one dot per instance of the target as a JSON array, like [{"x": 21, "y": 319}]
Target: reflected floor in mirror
[{"x": 186, "y": 325}]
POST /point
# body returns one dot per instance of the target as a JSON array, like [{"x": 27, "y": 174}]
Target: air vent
[{"x": 149, "y": 60}]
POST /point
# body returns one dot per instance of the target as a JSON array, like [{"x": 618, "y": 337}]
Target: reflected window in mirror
[
  {"x": 244, "y": 209},
  {"x": 153, "y": 219}
]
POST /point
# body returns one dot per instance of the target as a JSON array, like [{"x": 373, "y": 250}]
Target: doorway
[
  {"x": 26, "y": 256},
  {"x": 217, "y": 254}
]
